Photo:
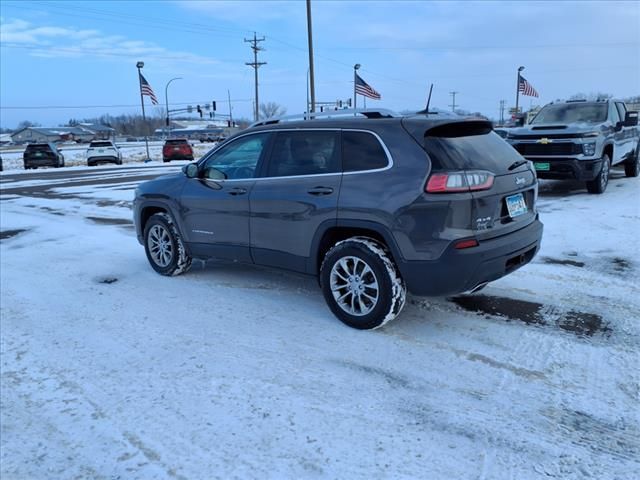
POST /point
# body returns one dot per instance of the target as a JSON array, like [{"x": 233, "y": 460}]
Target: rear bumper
[
  {"x": 41, "y": 162},
  {"x": 94, "y": 160},
  {"x": 568, "y": 168},
  {"x": 177, "y": 156},
  {"x": 459, "y": 271}
]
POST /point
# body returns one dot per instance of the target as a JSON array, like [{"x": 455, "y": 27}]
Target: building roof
[{"x": 83, "y": 129}]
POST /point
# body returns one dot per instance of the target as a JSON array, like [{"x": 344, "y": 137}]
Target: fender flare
[{"x": 312, "y": 262}]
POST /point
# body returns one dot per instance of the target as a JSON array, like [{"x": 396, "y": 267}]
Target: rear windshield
[
  {"x": 572, "y": 113},
  {"x": 38, "y": 148},
  {"x": 484, "y": 150},
  {"x": 176, "y": 141},
  {"x": 100, "y": 144}
]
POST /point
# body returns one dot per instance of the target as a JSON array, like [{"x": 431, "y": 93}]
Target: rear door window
[
  {"x": 312, "y": 152},
  {"x": 362, "y": 151},
  {"x": 100, "y": 144},
  {"x": 469, "y": 146}
]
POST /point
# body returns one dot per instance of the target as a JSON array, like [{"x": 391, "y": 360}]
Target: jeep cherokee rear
[{"x": 373, "y": 206}]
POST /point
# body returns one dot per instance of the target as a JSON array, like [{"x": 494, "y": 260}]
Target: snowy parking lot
[{"x": 111, "y": 371}]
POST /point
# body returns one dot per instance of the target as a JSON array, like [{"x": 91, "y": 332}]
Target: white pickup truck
[{"x": 103, "y": 151}]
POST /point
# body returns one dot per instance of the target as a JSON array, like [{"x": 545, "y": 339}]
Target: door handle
[
  {"x": 237, "y": 191},
  {"x": 318, "y": 191}
]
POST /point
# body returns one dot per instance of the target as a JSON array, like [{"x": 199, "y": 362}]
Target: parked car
[
  {"x": 1, "y": 166},
  {"x": 373, "y": 206},
  {"x": 103, "y": 151},
  {"x": 42, "y": 155},
  {"x": 581, "y": 140},
  {"x": 177, "y": 149}
]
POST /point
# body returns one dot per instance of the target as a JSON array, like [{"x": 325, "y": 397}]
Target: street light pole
[
  {"x": 139, "y": 66},
  {"x": 355, "y": 69},
  {"x": 518, "y": 89},
  {"x": 311, "y": 74},
  {"x": 166, "y": 99}
]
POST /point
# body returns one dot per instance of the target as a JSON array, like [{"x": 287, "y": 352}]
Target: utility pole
[
  {"x": 255, "y": 64},
  {"x": 230, "y": 109},
  {"x": 518, "y": 90},
  {"x": 311, "y": 74},
  {"x": 502, "y": 106},
  {"x": 453, "y": 101}
]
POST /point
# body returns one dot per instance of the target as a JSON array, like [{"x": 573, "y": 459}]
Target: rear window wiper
[{"x": 517, "y": 163}]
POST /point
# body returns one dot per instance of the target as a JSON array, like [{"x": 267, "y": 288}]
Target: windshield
[{"x": 572, "y": 113}]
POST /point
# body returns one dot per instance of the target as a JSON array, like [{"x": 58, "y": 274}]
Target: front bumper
[
  {"x": 567, "y": 168},
  {"x": 458, "y": 271}
]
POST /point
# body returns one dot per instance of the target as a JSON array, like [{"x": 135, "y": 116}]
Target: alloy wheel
[
  {"x": 160, "y": 245},
  {"x": 354, "y": 286}
]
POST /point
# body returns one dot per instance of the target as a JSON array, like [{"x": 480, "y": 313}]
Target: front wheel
[
  {"x": 599, "y": 184},
  {"x": 164, "y": 247},
  {"x": 361, "y": 284},
  {"x": 632, "y": 167}
]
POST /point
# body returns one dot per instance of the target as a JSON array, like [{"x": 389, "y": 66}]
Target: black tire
[
  {"x": 334, "y": 277},
  {"x": 632, "y": 167},
  {"x": 166, "y": 160},
  {"x": 599, "y": 184},
  {"x": 162, "y": 233}
]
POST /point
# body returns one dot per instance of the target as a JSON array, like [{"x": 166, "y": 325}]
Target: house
[
  {"x": 78, "y": 134},
  {"x": 102, "y": 132}
]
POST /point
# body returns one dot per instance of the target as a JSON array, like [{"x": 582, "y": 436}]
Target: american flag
[
  {"x": 364, "y": 89},
  {"x": 525, "y": 88},
  {"x": 146, "y": 89}
]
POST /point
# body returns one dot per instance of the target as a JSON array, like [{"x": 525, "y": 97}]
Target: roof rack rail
[{"x": 366, "y": 112}]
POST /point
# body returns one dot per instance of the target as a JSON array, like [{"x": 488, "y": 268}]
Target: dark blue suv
[{"x": 374, "y": 205}]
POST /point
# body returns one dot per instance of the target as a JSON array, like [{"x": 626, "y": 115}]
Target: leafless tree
[{"x": 271, "y": 109}]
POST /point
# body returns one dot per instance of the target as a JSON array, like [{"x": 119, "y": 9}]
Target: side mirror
[
  {"x": 631, "y": 119},
  {"x": 190, "y": 170}
]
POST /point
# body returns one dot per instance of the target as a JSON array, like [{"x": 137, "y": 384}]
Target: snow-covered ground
[
  {"x": 112, "y": 371},
  {"x": 75, "y": 156}
]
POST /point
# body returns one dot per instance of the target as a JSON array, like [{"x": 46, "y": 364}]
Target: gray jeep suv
[{"x": 373, "y": 206}]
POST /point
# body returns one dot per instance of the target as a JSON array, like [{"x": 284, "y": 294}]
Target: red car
[{"x": 177, "y": 149}]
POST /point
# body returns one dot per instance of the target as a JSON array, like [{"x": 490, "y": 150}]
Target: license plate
[
  {"x": 542, "y": 166},
  {"x": 100, "y": 150},
  {"x": 516, "y": 205}
]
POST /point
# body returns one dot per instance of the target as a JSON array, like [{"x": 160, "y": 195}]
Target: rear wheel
[
  {"x": 361, "y": 284},
  {"x": 599, "y": 184},
  {"x": 632, "y": 167},
  {"x": 164, "y": 247}
]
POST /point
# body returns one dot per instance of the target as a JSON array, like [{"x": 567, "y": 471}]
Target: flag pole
[
  {"x": 139, "y": 65},
  {"x": 518, "y": 90},
  {"x": 355, "y": 69}
]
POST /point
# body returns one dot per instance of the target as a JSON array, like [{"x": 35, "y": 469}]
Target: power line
[
  {"x": 61, "y": 107},
  {"x": 255, "y": 64}
]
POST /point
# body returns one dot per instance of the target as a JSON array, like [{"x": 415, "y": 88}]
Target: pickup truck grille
[{"x": 551, "y": 149}]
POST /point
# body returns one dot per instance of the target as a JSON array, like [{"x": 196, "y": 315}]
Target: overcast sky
[{"x": 64, "y": 54}]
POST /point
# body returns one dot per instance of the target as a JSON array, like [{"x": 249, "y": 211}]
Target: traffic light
[
  {"x": 349, "y": 102},
  {"x": 213, "y": 104},
  {"x": 199, "y": 111},
  {"x": 167, "y": 121}
]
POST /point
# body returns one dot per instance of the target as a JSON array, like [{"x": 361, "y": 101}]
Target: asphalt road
[{"x": 41, "y": 182}]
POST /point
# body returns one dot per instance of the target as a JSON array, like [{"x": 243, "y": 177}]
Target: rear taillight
[
  {"x": 465, "y": 181},
  {"x": 468, "y": 243}
]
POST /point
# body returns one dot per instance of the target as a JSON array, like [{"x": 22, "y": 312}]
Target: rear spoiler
[{"x": 419, "y": 129}]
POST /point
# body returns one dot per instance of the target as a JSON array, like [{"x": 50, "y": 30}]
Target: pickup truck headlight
[
  {"x": 590, "y": 134},
  {"x": 589, "y": 149}
]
